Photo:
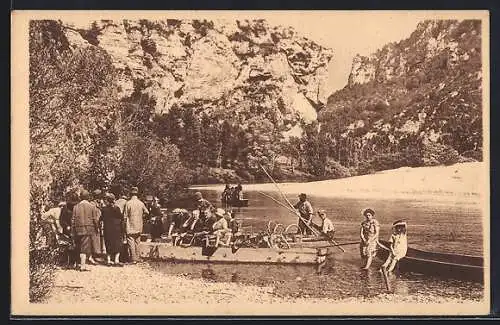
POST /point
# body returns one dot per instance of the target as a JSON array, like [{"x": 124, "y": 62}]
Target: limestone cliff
[
  {"x": 229, "y": 65},
  {"x": 424, "y": 89}
]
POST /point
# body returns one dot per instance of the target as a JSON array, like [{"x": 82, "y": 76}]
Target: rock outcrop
[
  {"x": 426, "y": 89},
  {"x": 230, "y": 65}
]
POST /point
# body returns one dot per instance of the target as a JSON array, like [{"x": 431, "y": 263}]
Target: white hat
[{"x": 220, "y": 212}]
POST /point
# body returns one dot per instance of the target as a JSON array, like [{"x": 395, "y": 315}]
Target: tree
[
  {"x": 151, "y": 163},
  {"x": 70, "y": 100}
]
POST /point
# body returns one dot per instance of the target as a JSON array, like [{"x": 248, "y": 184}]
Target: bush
[
  {"x": 42, "y": 257},
  {"x": 208, "y": 175},
  {"x": 333, "y": 169},
  {"x": 439, "y": 154},
  {"x": 42, "y": 268}
]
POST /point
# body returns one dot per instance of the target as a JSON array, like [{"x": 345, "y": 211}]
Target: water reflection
[{"x": 430, "y": 226}]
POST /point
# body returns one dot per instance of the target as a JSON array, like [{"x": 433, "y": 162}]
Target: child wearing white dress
[{"x": 399, "y": 245}]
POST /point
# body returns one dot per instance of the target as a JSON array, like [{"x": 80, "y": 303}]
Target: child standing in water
[
  {"x": 369, "y": 233},
  {"x": 398, "y": 247}
]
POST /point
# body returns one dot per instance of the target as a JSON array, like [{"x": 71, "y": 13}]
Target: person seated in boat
[
  {"x": 203, "y": 205},
  {"x": 220, "y": 228},
  {"x": 226, "y": 194},
  {"x": 327, "y": 227},
  {"x": 398, "y": 245},
  {"x": 239, "y": 192},
  {"x": 177, "y": 219},
  {"x": 188, "y": 227},
  {"x": 232, "y": 223},
  {"x": 305, "y": 211},
  {"x": 369, "y": 233}
]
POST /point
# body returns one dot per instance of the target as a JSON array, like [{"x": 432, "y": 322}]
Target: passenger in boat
[
  {"x": 327, "y": 227},
  {"x": 232, "y": 223},
  {"x": 203, "y": 206},
  {"x": 305, "y": 210},
  {"x": 220, "y": 228},
  {"x": 226, "y": 195},
  {"x": 112, "y": 219},
  {"x": 398, "y": 247},
  {"x": 369, "y": 233},
  {"x": 177, "y": 219},
  {"x": 239, "y": 192}
]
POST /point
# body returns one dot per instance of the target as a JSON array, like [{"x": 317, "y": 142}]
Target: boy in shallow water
[
  {"x": 369, "y": 233},
  {"x": 398, "y": 247}
]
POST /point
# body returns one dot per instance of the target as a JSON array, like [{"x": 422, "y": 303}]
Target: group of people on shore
[
  {"x": 98, "y": 224},
  {"x": 369, "y": 233}
]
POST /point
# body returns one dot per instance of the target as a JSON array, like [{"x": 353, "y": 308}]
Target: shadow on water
[
  {"x": 340, "y": 278},
  {"x": 432, "y": 226}
]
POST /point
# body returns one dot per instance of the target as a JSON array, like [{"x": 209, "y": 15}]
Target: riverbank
[
  {"x": 459, "y": 182},
  {"x": 140, "y": 289}
]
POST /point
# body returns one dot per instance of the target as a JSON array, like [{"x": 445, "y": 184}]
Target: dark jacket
[{"x": 85, "y": 219}]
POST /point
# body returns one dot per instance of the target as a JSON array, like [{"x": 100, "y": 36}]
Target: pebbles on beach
[{"x": 142, "y": 284}]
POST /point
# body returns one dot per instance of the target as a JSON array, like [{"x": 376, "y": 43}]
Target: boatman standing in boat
[{"x": 305, "y": 210}]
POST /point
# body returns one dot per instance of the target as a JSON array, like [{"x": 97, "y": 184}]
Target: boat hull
[
  {"x": 167, "y": 252},
  {"x": 453, "y": 266},
  {"x": 237, "y": 203}
]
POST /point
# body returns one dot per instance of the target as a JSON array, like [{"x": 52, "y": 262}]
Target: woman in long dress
[{"x": 113, "y": 230}]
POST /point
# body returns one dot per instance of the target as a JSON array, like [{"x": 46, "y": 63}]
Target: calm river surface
[{"x": 436, "y": 226}]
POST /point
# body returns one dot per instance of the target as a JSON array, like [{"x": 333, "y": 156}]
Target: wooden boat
[
  {"x": 463, "y": 267},
  {"x": 292, "y": 256},
  {"x": 238, "y": 203}
]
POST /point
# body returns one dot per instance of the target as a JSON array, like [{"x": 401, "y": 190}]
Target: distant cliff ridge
[
  {"x": 423, "y": 90},
  {"x": 211, "y": 64}
]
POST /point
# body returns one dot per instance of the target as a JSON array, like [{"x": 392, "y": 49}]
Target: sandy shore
[
  {"x": 136, "y": 285},
  {"x": 462, "y": 182}
]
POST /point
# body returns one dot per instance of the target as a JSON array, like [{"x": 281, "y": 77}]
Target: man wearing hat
[
  {"x": 305, "y": 210},
  {"x": 327, "y": 227},
  {"x": 84, "y": 226},
  {"x": 203, "y": 205},
  {"x": 133, "y": 213}
]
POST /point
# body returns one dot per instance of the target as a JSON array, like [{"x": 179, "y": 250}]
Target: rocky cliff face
[
  {"x": 231, "y": 65},
  {"x": 425, "y": 88}
]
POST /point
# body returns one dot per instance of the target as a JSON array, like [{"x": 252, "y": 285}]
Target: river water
[{"x": 437, "y": 226}]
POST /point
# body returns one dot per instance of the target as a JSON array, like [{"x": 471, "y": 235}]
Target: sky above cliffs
[{"x": 349, "y": 34}]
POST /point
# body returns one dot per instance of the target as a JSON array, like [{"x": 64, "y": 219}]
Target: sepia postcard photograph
[{"x": 246, "y": 163}]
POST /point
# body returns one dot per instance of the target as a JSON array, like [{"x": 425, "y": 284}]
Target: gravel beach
[{"x": 141, "y": 284}]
